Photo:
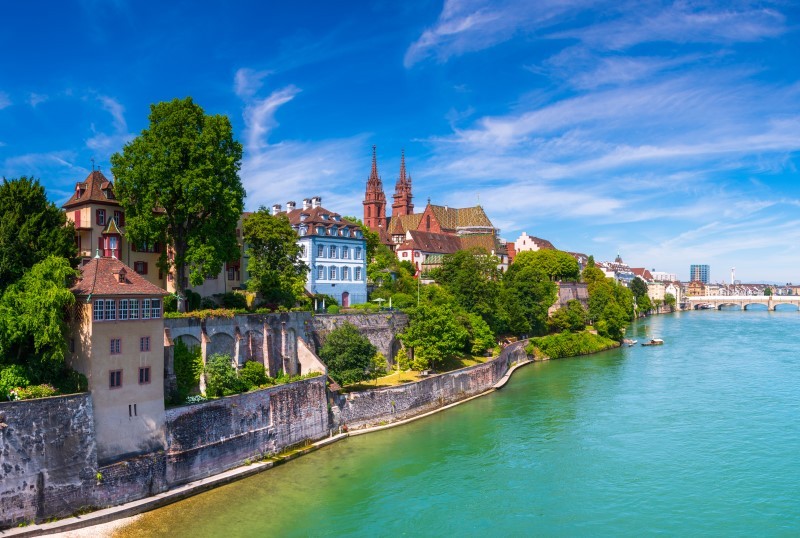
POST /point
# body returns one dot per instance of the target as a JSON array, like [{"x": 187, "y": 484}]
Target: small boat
[
  {"x": 630, "y": 342},
  {"x": 654, "y": 342}
]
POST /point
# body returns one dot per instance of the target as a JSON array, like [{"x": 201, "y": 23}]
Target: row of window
[
  {"x": 115, "y": 377},
  {"x": 333, "y": 251},
  {"x": 115, "y": 347},
  {"x": 125, "y": 309},
  {"x": 337, "y": 273},
  {"x": 100, "y": 217}
]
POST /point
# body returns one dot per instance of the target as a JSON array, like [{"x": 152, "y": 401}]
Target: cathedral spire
[
  {"x": 401, "y": 180},
  {"x": 374, "y": 173},
  {"x": 402, "y": 191},
  {"x": 374, "y": 198}
]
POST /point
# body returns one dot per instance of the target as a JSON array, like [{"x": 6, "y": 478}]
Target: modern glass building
[{"x": 699, "y": 272}]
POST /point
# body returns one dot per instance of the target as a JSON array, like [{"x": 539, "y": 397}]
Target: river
[{"x": 699, "y": 436}]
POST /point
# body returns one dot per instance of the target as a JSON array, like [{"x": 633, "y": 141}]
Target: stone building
[{"x": 117, "y": 342}]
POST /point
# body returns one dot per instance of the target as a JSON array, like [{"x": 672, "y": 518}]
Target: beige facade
[{"x": 117, "y": 342}]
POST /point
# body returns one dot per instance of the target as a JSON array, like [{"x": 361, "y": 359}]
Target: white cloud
[
  {"x": 248, "y": 81},
  {"x": 107, "y": 143},
  {"x": 36, "y": 98},
  {"x": 5, "y": 100},
  {"x": 259, "y": 116}
]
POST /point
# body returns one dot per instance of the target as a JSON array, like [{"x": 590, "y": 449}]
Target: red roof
[
  {"x": 95, "y": 188},
  {"x": 431, "y": 242},
  {"x": 109, "y": 276}
]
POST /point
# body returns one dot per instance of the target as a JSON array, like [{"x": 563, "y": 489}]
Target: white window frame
[
  {"x": 98, "y": 312},
  {"x": 111, "y": 310},
  {"x": 321, "y": 272},
  {"x": 123, "y": 309},
  {"x": 357, "y": 273},
  {"x": 155, "y": 308},
  {"x": 320, "y": 251},
  {"x": 345, "y": 273},
  {"x": 332, "y": 251},
  {"x": 145, "y": 308},
  {"x": 345, "y": 253},
  {"x": 333, "y": 272},
  {"x": 133, "y": 306}
]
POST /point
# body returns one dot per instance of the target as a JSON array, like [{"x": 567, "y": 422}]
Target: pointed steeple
[
  {"x": 374, "y": 198},
  {"x": 402, "y": 191}
]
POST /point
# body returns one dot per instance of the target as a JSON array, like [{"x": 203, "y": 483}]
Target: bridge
[{"x": 743, "y": 301}]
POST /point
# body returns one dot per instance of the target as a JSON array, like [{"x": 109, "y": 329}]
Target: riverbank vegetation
[{"x": 568, "y": 344}]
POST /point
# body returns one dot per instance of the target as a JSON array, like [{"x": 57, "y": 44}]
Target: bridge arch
[
  {"x": 756, "y": 306},
  {"x": 787, "y": 307}
]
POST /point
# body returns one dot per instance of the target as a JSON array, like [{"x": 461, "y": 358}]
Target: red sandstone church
[{"x": 423, "y": 238}]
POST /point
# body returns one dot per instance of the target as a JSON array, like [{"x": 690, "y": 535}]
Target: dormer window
[
  {"x": 324, "y": 216},
  {"x": 121, "y": 275},
  {"x": 337, "y": 218},
  {"x": 320, "y": 230},
  {"x": 303, "y": 216},
  {"x": 303, "y": 230}
]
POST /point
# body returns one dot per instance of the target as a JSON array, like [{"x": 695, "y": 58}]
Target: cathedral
[{"x": 423, "y": 238}]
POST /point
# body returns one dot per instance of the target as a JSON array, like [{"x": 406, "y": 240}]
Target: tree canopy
[
  {"x": 31, "y": 229},
  {"x": 556, "y": 264},
  {"x": 33, "y": 318},
  {"x": 528, "y": 294},
  {"x": 347, "y": 354},
  {"x": 178, "y": 182},
  {"x": 435, "y": 334},
  {"x": 275, "y": 268}
]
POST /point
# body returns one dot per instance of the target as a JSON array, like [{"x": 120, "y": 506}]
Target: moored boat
[{"x": 654, "y": 342}]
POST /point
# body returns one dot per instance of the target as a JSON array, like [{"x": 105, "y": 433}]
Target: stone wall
[
  {"x": 371, "y": 408},
  {"x": 568, "y": 291},
  {"x": 207, "y": 438},
  {"x": 380, "y": 328},
  {"x": 48, "y": 457}
]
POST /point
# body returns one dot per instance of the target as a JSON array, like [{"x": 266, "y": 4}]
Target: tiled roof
[
  {"x": 451, "y": 218},
  {"x": 402, "y": 223},
  {"x": 543, "y": 244},
  {"x": 101, "y": 276},
  {"x": 431, "y": 242},
  {"x": 485, "y": 241},
  {"x": 92, "y": 191},
  {"x": 319, "y": 216}
]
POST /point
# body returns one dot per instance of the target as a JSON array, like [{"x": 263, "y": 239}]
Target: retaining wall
[
  {"x": 48, "y": 457},
  {"x": 380, "y": 328},
  {"x": 371, "y": 408}
]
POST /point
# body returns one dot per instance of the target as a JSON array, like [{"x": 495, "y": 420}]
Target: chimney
[
  {"x": 306, "y": 203},
  {"x": 316, "y": 202},
  {"x": 276, "y": 209},
  {"x": 290, "y": 206}
]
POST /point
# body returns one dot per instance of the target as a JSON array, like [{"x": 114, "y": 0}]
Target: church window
[{"x": 427, "y": 222}]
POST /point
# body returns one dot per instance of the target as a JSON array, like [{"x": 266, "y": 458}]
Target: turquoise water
[{"x": 700, "y": 436}]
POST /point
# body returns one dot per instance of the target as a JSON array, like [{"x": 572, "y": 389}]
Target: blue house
[{"x": 333, "y": 248}]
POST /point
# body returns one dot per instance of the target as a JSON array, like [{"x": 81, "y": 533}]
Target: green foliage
[
  {"x": 188, "y": 365},
  {"x": 403, "y": 300},
  {"x": 333, "y": 309},
  {"x": 435, "y": 335},
  {"x": 611, "y": 305},
  {"x": 233, "y": 300},
  {"x": 221, "y": 378},
  {"x": 571, "y": 317},
  {"x": 567, "y": 344},
  {"x": 33, "y": 391},
  {"x": 767, "y": 291},
  {"x": 170, "y": 303},
  {"x": 253, "y": 374},
  {"x": 31, "y": 230},
  {"x": 194, "y": 300},
  {"x": 377, "y": 366},
  {"x": 275, "y": 268},
  {"x": 186, "y": 163},
  {"x": 389, "y": 274},
  {"x": 33, "y": 323},
  {"x": 480, "y": 334},
  {"x": 638, "y": 287},
  {"x": 556, "y": 264},
  {"x": 207, "y": 303},
  {"x": 11, "y": 377},
  {"x": 472, "y": 278},
  {"x": 372, "y": 239},
  {"x": 320, "y": 297},
  {"x": 669, "y": 300},
  {"x": 347, "y": 354},
  {"x": 71, "y": 382},
  {"x": 527, "y": 295}
]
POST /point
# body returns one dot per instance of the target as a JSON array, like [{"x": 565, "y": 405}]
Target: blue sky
[{"x": 669, "y": 132}]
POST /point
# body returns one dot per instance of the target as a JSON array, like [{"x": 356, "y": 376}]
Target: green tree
[
  {"x": 371, "y": 238},
  {"x": 481, "y": 336},
  {"x": 188, "y": 365},
  {"x": 347, "y": 354},
  {"x": 275, "y": 268},
  {"x": 570, "y": 317},
  {"x": 221, "y": 378},
  {"x": 435, "y": 334},
  {"x": 528, "y": 294},
  {"x": 767, "y": 291},
  {"x": 638, "y": 287},
  {"x": 31, "y": 229},
  {"x": 472, "y": 277},
  {"x": 669, "y": 300},
  {"x": 377, "y": 366},
  {"x": 178, "y": 182},
  {"x": 33, "y": 312},
  {"x": 556, "y": 264}
]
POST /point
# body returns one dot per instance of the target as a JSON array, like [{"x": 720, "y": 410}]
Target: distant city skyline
[{"x": 665, "y": 132}]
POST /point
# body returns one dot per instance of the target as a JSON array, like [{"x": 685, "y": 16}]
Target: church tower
[
  {"x": 374, "y": 199},
  {"x": 402, "y": 191}
]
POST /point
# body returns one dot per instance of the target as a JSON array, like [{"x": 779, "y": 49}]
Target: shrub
[
  {"x": 403, "y": 300},
  {"x": 188, "y": 365},
  {"x": 71, "y": 382},
  {"x": 193, "y": 300},
  {"x": 333, "y": 309},
  {"x": 11, "y": 377},
  {"x": 170, "y": 303},
  {"x": 33, "y": 391},
  {"x": 253, "y": 374},
  {"x": 233, "y": 300},
  {"x": 566, "y": 344},
  {"x": 207, "y": 303},
  {"x": 347, "y": 354},
  {"x": 221, "y": 378}
]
